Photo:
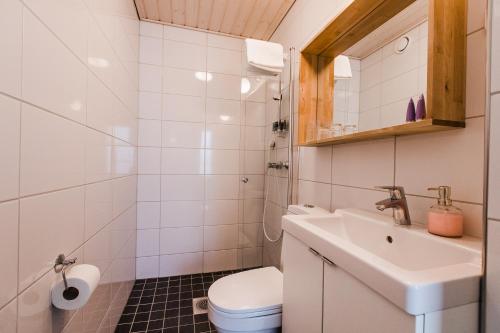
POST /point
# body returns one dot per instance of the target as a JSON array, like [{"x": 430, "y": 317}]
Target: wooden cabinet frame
[{"x": 446, "y": 68}]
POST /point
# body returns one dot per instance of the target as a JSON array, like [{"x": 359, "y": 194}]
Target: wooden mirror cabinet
[{"x": 446, "y": 68}]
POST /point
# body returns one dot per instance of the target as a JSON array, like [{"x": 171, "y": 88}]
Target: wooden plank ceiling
[{"x": 245, "y": 18}]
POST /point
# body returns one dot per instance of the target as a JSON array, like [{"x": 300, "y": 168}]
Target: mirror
[
  {"x": 375, "y": 79},
  {"x": 358, "y": 74}
]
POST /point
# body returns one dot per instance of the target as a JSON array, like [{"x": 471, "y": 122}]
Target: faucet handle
[{"x": 396, "y": 192}]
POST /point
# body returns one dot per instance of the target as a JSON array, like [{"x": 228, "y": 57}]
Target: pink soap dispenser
[{"x": 444, "y": 219}]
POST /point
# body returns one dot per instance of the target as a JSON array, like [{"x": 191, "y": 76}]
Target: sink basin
[{"x": 417, "y": 271}]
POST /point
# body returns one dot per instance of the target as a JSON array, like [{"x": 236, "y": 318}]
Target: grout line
[
  {"x": 41, "y": 108},
  {"x": 65, "y": 188}
]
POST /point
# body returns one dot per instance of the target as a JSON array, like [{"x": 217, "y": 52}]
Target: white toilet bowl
[{"x": 247, "y": 302}]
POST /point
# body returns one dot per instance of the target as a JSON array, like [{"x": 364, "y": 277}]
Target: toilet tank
[{"x": 306, "y": 209}]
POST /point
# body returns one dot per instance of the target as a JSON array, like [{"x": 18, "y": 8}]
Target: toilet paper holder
[{"x": 60, "y": 266}]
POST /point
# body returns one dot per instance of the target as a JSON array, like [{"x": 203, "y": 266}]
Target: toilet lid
[{"x": 249, "y": 291}]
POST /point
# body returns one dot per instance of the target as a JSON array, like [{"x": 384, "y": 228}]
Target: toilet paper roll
[{"x": 82, "y": 281}]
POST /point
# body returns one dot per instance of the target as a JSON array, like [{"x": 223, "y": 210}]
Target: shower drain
[{"x": 200, "y": 305}]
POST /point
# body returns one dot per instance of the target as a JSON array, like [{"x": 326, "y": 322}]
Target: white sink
[{"x": 415, "y": 270}]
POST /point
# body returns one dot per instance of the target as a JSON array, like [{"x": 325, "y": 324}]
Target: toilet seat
[
  {"x": 250, "y": 301},
  {"x": 248, "y": 292}
]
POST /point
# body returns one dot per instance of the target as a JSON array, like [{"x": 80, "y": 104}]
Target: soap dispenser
[{"x": 444, "y": 219}]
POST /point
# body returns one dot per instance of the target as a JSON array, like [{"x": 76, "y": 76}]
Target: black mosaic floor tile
[{"x": 165, "y": 305}]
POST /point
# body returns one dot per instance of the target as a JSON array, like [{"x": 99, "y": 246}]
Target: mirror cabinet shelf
[{"x": 384, "y": 68}]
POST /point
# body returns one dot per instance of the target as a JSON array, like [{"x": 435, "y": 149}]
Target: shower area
[{"x": 212, "y": 154}]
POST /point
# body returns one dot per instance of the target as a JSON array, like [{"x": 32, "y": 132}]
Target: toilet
[{"x": 251, "y": 301}]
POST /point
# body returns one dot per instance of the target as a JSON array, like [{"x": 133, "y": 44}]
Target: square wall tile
[
  {"x": 255, "y": 114},
  {"x": 181, "y": 240},
  {"x": 148, "y": 215},
  {"x": 224, "y": 86},
  {"x": 223, "y": 111},
  {"x": 42, "y": 217},
  {"x": 318, "y": 194},
  {"x": 183, "y": 135},
  {"x": 219, "y": 136},
  {"x": 182, "y": 187},
  {"x": 184, "y": 82},
  {"x": 254, "y": 162},
  {"x": 316, "y": 164},
  {"x": 11, "y": 22},
  {"x": 225, "y": 42},
  {"x": 222, "y": 187},
  {"x": 420, "y": 162},
  {"x": 223, "y": 61},
  {"x": 253, "y": 210},
  {"x": 10, "y": 129},
  {"x": 147, "y": 267},
  {"x": 101, "y": 105},
  {"x": 124, "y": 193},
  {"x": 98, "y": 156},
  {"x": 183, "y": 108},
  {"x": 221, "y": 212},
  {"x": 62, "y": 142},
  {"x": 9, "y": 225},
  {"x": 149, "y": 160},
  {"x": 178, "y": 161},
  {"x": 220, "y": 237},
  {"x": 255, "y": 138},
  {"x": 150, "y": 105},
  {"x": 254, "y": 188},
  {"x": 44, "y": 56},
  {"x": 150, "y": 78},
  {"x": 222, "y": 162},
  {"x": 148, "y": 188},
  {"x": 149, "y": 133},
  {"x": 184, "y": 55},
  {"x": 251, "y": 257},
  {"x": 148, "y": 242},
  {"x": 185, "y": 35},
  {"x": 250, "y": 235},
  {"x": 150, "y": 50},
  {"x": 151, "y": 29},
  {"x": 364, "y": 164},
  {"x": 180, "y": 264},
  {"x": 214, "y": 261},
  {"x": 98, "y": 207},
  {"x": 182, "y": 213}
]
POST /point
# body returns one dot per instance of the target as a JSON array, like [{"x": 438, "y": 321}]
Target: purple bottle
[
  {"x": 421, "y": 108},
  {"x": 410, "y": 111}
]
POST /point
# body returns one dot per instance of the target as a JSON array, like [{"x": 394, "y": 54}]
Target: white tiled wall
[
  {"x": 68, "y": 95},
  {"x": 198, "y": 135},
  {"x": 492, "y": 294},
  {"x": 344, "y": 175}
]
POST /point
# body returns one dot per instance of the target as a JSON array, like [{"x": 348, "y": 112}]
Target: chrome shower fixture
[{"x": 278, "y": 165}]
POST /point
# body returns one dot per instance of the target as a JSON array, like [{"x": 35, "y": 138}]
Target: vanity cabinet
[
  {"x": 302, "y": 288},
  {"x": 319, "y": 296}
]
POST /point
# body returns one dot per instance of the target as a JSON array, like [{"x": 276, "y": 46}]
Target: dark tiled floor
[{"x": 165, "y": 305}]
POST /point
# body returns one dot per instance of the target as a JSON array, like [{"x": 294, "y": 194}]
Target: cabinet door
[
  {"x": 352, "y": 307},
  {"x": 302, "y": 288}
]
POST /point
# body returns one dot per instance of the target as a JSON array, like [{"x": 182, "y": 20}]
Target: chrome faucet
[{"x": 397, "y": 201}]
